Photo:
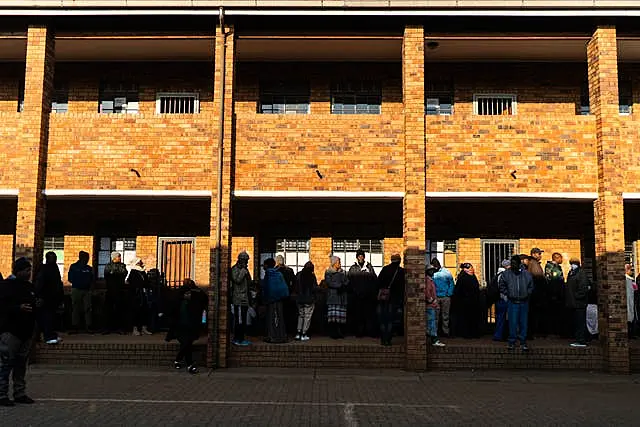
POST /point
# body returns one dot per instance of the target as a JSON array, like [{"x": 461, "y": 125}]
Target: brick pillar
[
  {"x": 218, "y": 309},
  {"x": 147, "y": 250},
  {"x": 31, "y": 169},
  {"x": 609, "y": 208},
  {"x": 319, "y": 253},
  {"x": 414, "y": 200}
]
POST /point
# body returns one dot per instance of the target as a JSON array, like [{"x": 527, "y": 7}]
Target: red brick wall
[
  {"x": 11, "y": 74},
  {"x": 10, "y": 152},
  {"x": 6, "y": 254}
]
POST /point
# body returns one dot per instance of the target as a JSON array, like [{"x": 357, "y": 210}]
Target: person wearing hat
[
  {"x": 115, "y": 274},
  {"x": 139, "y": 292},
  {"x": 240, "y": 297},
  {"x": 540, "y": 299},
  {"x": 363, "y": 283},
  {"x": 17, "y": 322},
  {"x": 391, "y": 282}
]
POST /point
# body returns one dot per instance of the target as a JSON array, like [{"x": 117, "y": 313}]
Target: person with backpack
[
  {"x": 274, "y": 291},
  {"x": 499, "y": 299}
]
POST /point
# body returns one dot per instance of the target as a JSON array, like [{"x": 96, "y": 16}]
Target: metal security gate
[
  {"x": 493, "y": 252},
  {"x": 177, "y": 259}
]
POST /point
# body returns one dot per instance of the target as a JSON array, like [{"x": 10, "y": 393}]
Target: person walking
[
  {"x": 17, "y": 322},
  {"x": 577, "y": 297},
  {"x": 431, "y": 301},
  {"x": 274, "y": 291},
  {"x": 517, "y": 285},
  {"x": 240, "y": 298},
  {"x": 49, "y": 297},
  {"x": 139, "y": 291},
  {"x": 306, "y": 288},
  {"x": 391, "y": 283},
  {"x": 337, "y": 299},
  {"x": 81, "y": 277},
  {"x": 186, "y": 322},
  {"x": 444, "y": 283},
  {"x": 115, "y": 275},
  {"x": 466, "y": 301},
  {"x": 363, "y": 283}
]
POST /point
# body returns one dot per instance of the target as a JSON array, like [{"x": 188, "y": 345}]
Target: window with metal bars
[
  {"x": 356, "y": 97},
  {"x": 284, "y": 98},
  {"x": 177, "y": 103},
  {"x": 125, "y": 245},
  {"x": 346, "y": 250},
  {"x": 294, "y": 251},
  {"x": 55, "y": 244},
  {"x": 494, "y": 105},
  {"x": 118, "y": 98}
]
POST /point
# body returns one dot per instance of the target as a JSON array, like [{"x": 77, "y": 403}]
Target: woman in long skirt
[{"x": 337, "y": 283}]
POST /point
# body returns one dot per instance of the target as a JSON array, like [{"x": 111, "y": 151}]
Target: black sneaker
[
  {"x": 192, "y": 369},
  {"x": 5, "y": 401},
  {"x": 24, "y": 399},
  {"x": 177, "y": 365}
]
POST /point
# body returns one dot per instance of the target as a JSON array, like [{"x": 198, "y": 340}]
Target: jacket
[
  {"x": 396, "y": 286},
  {"x": 306, "y": 287},
  {"x": 13, "y": 293},
  {"x": 274, "y": 287},
  {"x": 49, "y": 286},
  {"x": 577, "y": 294},
  {"x": 289, "y": 276},
  {"x": 337, "y": 283},
  {"x": 81, "y": 276},
  {"x": 630, "y": 285},
  {"x": 467, "y": 290},
  {"x": 444, "y": 283},
  {"x": 240, "y": 285},
  {"x": 139, "y": 285},
  {"x": 115, "y": 275},
  {"x": 186, "y": 315},
  {"x": 517, "y": 286},
  {"x": 430, "y": 293},
  {"x": 535, "y": 269},
  {"x": 363, "y": 281},
  {"x": 555, "y": 277}
]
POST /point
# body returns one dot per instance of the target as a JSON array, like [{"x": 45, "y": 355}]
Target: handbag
[{"x": 385, "y": 293}]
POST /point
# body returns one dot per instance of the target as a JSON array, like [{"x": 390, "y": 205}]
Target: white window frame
[
  {"x": 301, "y": 256},
  {"x": 50, "y": 243},
  {"x": 348, "y": 257},
  {"x": 479, "y": 96},
  {"x": 195, "y": 95},
  {"x": 104, "y": 253}
]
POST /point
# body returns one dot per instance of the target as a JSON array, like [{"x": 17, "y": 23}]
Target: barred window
[
  {"x": 294, "y": 251},
  {"x": 346, "y": 250},
  {"x": 356, "y": 97},
  {"x": 177, "y": 103},
  {"x": 284, "y": 98},
  {"x": 494, "y": 105}
]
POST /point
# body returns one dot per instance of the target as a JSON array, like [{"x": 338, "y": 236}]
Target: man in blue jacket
[
  {"x": 81, "y": 278},
  {"x": 443, "y": 280}
]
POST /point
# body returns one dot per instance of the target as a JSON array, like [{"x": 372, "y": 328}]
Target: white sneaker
[
  {"x": 298, "y": 337},
  {"x": 145, "y": 331},
  {"x": 305, "y": 338},
  {"x": 577, "y": 345},
  {"x": 439, "y": 344},
  {"x": 51, "y": 342},
  {"x": 136, "y": 332}
]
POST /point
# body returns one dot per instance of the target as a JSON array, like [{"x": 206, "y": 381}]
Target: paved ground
[{"x": 351, "y": 398}]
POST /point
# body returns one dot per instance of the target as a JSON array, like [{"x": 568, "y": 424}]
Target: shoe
[
  {"x": 192, "y": 369},
  {"x": 577, "y": 345},
  {"x": 59, "y": 340},
  {"x": 136, "y": 332},
  {"x": 177, "y": 365},
  {"x": 235, "y": 342},
  {"x": 304, "y": 338},
  {"x": 439, "y": 343},
  {"x": 525, "y": 348},
  {"x": 52, "y": 342},
  {"x": 298, "y": 337},
  {"x": 146, "y": 331},
  {"x": 24, "y": 400},
  {"x": 5, "y": 401},
  {"x": 511, "y": 347}
]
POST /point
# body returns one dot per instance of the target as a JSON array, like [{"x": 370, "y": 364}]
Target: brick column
[
  {"x": 609, "y": 207},
  {"x": 414, "y": 200},
  {"x": 32, "y": 169},
  {"x": 319, "y": 253},
  {"x": 218, "y": 308}
]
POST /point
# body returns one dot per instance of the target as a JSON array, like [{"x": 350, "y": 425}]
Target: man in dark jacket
[
  {"x": 517, "y": 285},
  {"x": 115, "y": 274},
  {"x": 49, "y": 296},
  {"x": 288, "y": 304},
  {"x": 17, "y": 321},
  {"x": 391, "y": 278},
  {"x": 577, "y": 295},
  {"x": 555, "y": 278},
  {"x": 81, "y": 278},
  {"x": 363, "y": 281}
]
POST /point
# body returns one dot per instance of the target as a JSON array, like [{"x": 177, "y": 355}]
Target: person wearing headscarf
[
  {"x": 391, "y": 284},
  {"x": 115, "y": 275},
  {"x": 49, "y": 297},
  {"x": 240, "y": 298},
  {"x": 139, "y": 290},
  {"x": 363, "y": 283},
  {"x": 274, "y": 290},
  {"x": 306, "y": 288},
  {"x": 337, "y": 299},
  {"x": 466, "y": 296}
]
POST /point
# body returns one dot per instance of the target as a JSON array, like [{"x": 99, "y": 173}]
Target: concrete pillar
[
  {"x": 32, "y": 168},
  {"x": 609, "y": 208},
  {"x": 414, "y": 208}
]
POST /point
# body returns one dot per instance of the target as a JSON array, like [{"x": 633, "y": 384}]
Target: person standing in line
[
  {"x": 306, "y": 288},
  {"x": 139, "y": 289},
  {"x": 391, "y": 284},
  {"x": 577, "y": 297},
  {"x": 466, "y": 296},
  {"x": 115, "y": 274},
  {"x": 631, "y": 287},
  {"x": 240, "y": 298},
  {"x": 274, "y": 292},
  {"x": 49, "y": 297},
  {"x": 337, "y": 283},
  {"x": 17, "y": 322},
  {"x": 81, "y": 277},
  {"x": 363, "y": 283},
  {"x": 444, "y": 283},
  {"x": 288, "y": 304},
  {"x": 540, "y": 299},
  {"x": 431, "y": 301},
  {"x": 555, "y": 280},
  {"x": 502, "y": 303},
  {"x": 517, "y": 285}
]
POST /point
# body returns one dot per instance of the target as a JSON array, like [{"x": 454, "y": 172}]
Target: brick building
[{"x": 458, "y": 129}]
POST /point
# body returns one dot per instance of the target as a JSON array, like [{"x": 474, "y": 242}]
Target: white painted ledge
[
  {"x": 70, "y": 193},
  {"x": 510, "y": 195},
  {"x": 8, "y": 192},
  {"x": 258, "y": 194}
]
